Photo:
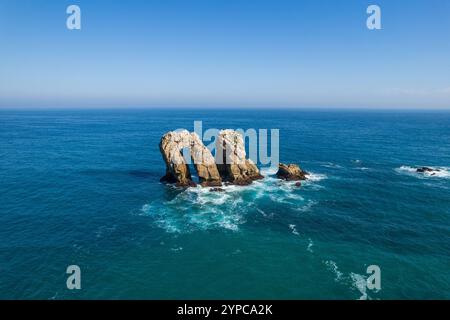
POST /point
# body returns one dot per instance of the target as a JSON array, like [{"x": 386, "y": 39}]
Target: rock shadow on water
[{"x": 143, "y": 174}]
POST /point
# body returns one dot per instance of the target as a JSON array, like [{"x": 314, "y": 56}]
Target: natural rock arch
[
  {"x": 177, "y": 170},
  {"x": 232, "y": 165}
]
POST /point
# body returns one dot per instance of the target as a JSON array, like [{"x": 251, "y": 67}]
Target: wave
[
  {"x": 332, "y": 165},
  {"x": 315, "y": 177},
  {"x": 293, "y": 228},
  {"x": 198, "y": 208},
  {"x": 438, "y": 172},
  {"x": 269, "y": 171},
  {"x": 360, "y": 283},
  {"x": 332, "y": 266},
  {"x": 310, "y": 245},
  {"x": 354, "y": 280},
  {"x": 192, "y": 211},
  {"x": 307, "y": 207}
]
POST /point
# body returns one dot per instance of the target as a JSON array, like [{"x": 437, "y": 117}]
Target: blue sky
[{"x": 225, "y": 53}]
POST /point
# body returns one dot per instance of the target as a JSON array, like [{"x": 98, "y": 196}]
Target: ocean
[{"x": 81, "y": 187}]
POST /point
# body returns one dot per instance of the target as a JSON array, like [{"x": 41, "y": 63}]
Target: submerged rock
[
  {"x": 233, "y": 165},
  {"x": 216, "y": 190},
  {"x": 291, "y": 172},
  {"x": 426, "y": 169}
]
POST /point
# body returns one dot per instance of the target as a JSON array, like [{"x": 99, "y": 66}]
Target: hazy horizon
[{"x": 225, "y": 54}]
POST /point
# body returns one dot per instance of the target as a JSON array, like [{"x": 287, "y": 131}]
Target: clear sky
[{"x": 225, "y": 53}]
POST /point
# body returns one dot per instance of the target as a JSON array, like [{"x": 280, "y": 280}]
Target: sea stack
[
  {"x": 204, "y": 163},
  {"x": 234, "y": 167},
  {"x": 290, "y": 172},
  {"x": 171, "y": 146},
  {"x": 177, "y": 170}
]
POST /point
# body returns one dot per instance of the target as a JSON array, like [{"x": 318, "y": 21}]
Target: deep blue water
[{"x": 82, "y": 187}]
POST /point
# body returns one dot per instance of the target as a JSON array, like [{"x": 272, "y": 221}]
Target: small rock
[
  {"x": 426, "y": 169},
  {"x": 290, "y": 172}
]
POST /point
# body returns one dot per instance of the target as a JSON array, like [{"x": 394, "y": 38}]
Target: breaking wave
[
  {"x": 360, "y": 283},
  {"x": 332, "y": 266},
  {"x": 438, "y": 172},
  {"x": 198, "y": 208},
  {"x": 353, "y": 280}
]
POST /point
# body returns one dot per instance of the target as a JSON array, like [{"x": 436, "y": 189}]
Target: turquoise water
[{"x": 82, "y": 187}]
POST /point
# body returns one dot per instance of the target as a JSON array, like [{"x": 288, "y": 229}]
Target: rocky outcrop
[
  {"x": 172, "y": 146},
  {"x": 204, "y": 163},
  {"x": 232, "y": 163},
  {"x": 291, "y": 172},
  {"x": 427, "y": 169}
]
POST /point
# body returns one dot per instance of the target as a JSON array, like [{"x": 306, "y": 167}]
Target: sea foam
[
  {"x": 197, "y": 208},
  {"x": 444, "y": 172}
]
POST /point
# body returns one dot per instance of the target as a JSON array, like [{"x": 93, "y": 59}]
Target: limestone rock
[
  {"x": 204, "y": 163},
  {"x": 177, "y": 170},
  {"x": 232, "y": 163},
  {"x": 172, "y": 146},
  {"x": 291, "y": 172}
]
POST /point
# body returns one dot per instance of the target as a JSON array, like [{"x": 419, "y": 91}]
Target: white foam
[
  {"x": 262, "y": 212},
  {"x": 294, "y": 229},
  {"x": 310, "y": 245},
  {"x": 332, "y": 266},
  {"x": 315, "y": 177},
  {"x": 269, "y": 171},
  {"x": 306, "y": 207},
  {"x": 197, "y": 208},
  {"x": 443, "y": 172},
  {"x": 360, "y": 283},
  {"x": 332, "y": 165}
]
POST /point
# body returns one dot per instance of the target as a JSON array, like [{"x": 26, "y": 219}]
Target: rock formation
[
  {"x": 426, "y": 169},
  {"x": 204, "y": 163},
  {"x": 172, "y": 146},
  {"x": 232, "y": 163},
  {"x": 291, "y": 172}
]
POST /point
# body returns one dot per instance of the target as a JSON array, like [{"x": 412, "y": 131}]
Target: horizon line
[{"x": 174, "y": 107}]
